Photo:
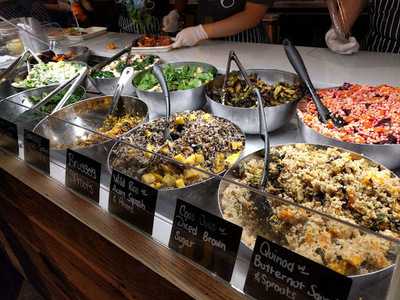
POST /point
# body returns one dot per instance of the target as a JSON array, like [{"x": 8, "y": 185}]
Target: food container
[
  {"x": 385, "y": 154},
  {"x": 23, "y": 76},
  {"x": 193, "y": 193},
  {"x": 67, "y": 126},
  {"x": 76, "y": 53},
  {"x": 380, "y": 277},
  {"x": 107, "y": 85},
  {"x": 246, "y": 118},
  {"x": 181, "y": 100}
]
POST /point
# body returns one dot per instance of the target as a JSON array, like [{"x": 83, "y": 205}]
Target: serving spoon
[{"x": 324, "y": 114}]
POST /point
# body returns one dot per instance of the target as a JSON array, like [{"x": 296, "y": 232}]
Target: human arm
[
  {"x": 348, "y": 14},
  {"x": 251, "y": 15}
]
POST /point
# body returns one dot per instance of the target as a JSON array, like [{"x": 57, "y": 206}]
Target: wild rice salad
[
  {"x": 371, "y": 113},
  {"x": 329, "y": 180},
  {"x": 198, "y": 139}
]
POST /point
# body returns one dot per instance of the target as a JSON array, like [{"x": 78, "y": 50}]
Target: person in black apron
[
  {"x": 141, "y": 16},
  {"x": 384, "y": 28},
  {"x": 233, "y": 20}
]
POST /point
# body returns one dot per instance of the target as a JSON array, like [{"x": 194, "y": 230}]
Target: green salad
[
  {"x": 51, "y": 104},
  {"x": 115, "y": 68},
  {"x": 50, "y": 73},
  {"x": 178, "y": 78}
]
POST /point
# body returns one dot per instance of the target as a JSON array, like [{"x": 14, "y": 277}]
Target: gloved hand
[
  {"x": 171, "y": 21},
  {"x": 190, "y": 36},
  {"x": 336, "y": 44}
]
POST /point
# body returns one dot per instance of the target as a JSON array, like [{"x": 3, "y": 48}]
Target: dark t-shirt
[{"x": 216, "y": 10}]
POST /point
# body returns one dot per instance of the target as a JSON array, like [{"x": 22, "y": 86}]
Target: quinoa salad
[
  {"x": 330, "y": 180},
  {"x": 199, "y": 140},
  {"x": 371, "y": 113}
]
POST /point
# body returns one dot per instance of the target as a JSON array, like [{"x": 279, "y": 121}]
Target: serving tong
[
  {"x": 126, "y": 77},
  {"x": 9, "y": 72},
  {"x": 260, "y": 201},
  {"x": 74, "y": 82},
  {"x": 324, "y": 114}
]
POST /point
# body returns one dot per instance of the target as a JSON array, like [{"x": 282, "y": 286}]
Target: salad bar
[{"x": 192, "y": 136}]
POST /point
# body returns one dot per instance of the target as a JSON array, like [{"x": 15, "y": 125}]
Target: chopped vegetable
[
  {"x": 51, "y": 104},
  {"x": 178, "y": 78},
  {"x": 238, "y": 94}
]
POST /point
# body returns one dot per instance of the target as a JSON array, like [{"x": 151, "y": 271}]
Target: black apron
[
  {"x": 215, "y": 10},
  {"x": 384, "y": 34}
]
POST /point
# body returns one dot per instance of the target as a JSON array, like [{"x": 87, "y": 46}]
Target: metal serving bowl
[
  {"x": 195, "y": 193},
  {"x": 15, "y": 105},
  {"x": 182, "y": 100},
  {"x": 24, "y": 73},
  {"x": 68, "y": 125},
  {"x": 107, "y": 85},
  {"x": 385, "y": 154},
  {"x": 247, "y": 118},
  {"x": 361, "y": 283}
]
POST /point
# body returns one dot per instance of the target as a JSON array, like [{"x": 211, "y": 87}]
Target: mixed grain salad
[
  {"x": 198, "y": 140},
  {"x": 371, "y": 113},
  {"x": 333, "y": 181}
]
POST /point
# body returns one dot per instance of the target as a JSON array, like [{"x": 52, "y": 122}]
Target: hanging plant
[{"x": 139, "y": 13}]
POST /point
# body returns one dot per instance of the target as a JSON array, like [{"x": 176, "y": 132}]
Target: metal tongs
[
  {"x": 298, "y": 64},
  {"x": 126, "y": 77},
  {"x": 8, "y": 73},
  {"x": 260, "y": 201},
  {"x": 74, "y": 82},
  {"x": 233, "y": 57}
]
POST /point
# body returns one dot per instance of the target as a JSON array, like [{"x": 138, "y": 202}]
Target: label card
[
  {"x": 36, "y": 151},
  {"x": 83, "y": 175},
  {"x": 9, "y": 136},
  {"x": 278, "y": 273},
  {"x": 206, "y": 239},
  {"x": 132, "y": 201}
]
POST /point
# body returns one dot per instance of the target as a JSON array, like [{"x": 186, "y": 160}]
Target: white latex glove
[
  {"x": 190, "y": 36},
  {"x": 336, "y": 44},
  {"x": 171, "y": 21}
]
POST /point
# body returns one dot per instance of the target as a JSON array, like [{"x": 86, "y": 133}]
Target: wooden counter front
[{"x": 69, "y": 248}]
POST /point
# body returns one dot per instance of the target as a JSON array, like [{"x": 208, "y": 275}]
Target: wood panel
[{"x": 75, "y": 250}]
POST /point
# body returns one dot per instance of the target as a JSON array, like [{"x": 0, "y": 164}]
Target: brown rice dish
[
  {"x": 198, "y": 140},
  {"x": 336, "y": 182}
]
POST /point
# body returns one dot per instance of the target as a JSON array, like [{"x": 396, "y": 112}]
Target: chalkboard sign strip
[
  {"x": 132, "y": 201},
  {"x": 83, "y": 175},
  {"x": 206, "y": 239},
  {"x": 278, "y": 273},
  {"x": 36, "y": 151},
  {"x": 9, "y": 136}
]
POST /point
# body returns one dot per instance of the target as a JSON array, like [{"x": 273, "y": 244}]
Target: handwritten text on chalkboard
[
  {"x": 132, "y": 201},
  {"x": 278, "y": 273},
  {"x": 208, "y": 240},
  {"x": 83, "y": 175}
]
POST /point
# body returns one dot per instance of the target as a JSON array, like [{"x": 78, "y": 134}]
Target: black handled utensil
[{"x": 298, "y": 64}]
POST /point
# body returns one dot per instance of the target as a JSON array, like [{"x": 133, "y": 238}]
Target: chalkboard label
[
  {"x": 278, "y": 273},
  {"x": 206, "y": 239},
  {"x": 132, "y": 201},
  {"x": 83, "y": 175},
  {"x": 9, "y": 136},
  {"x": 36, "y": 151}
]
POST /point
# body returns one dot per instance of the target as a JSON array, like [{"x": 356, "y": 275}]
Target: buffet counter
[{"x": 71, "y": 248}]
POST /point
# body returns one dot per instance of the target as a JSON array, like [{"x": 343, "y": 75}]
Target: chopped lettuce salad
[
  {"x": 50, "y": 73},
  {"x": 178, "y": 78}
]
